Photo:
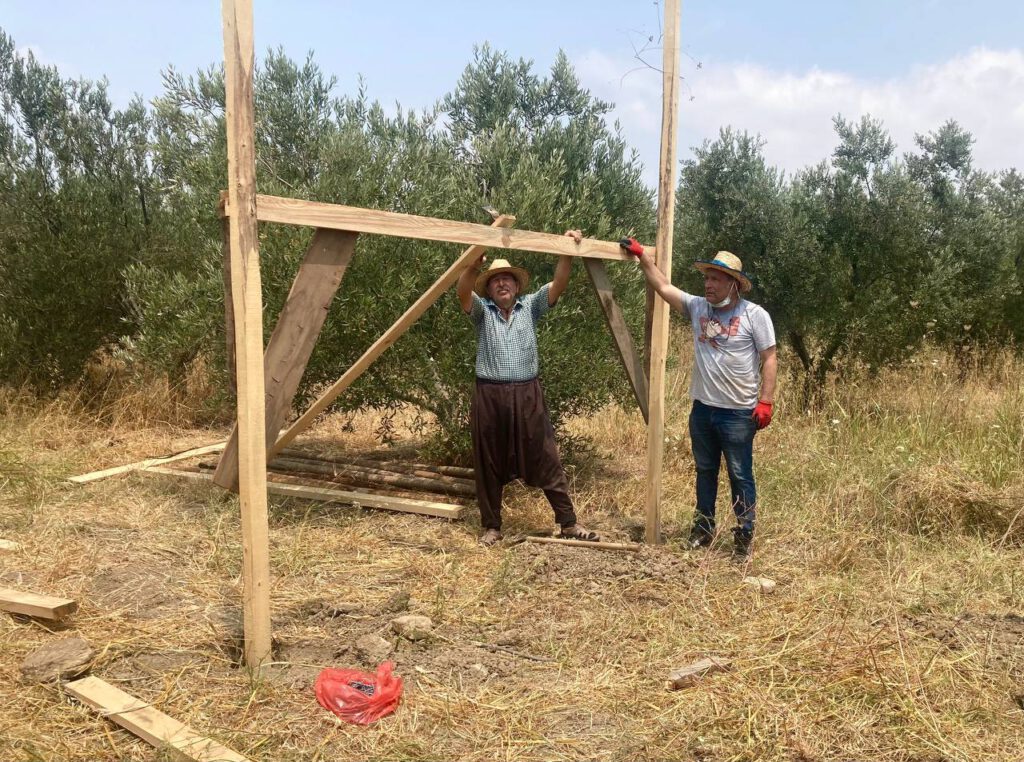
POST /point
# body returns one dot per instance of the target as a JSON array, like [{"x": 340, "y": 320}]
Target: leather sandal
[
  {"x": 576, "y": 532},
  {"x": 489, "y": 537}
]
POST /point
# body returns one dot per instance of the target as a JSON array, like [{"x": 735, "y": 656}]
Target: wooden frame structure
[{"x": 267, "y": 383}]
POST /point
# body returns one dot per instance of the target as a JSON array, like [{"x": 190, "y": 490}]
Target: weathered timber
[
  {"x": 148, "y": 723},
  {"x": 401, "y": 466},
  {"x": 390, "y": 467},
  {"x": 315, "y": 214},
  {"x": 374, "y": 476},
  {"x": 247, "y": 302},
  {"x": 294, "y": 337},
  {"x": 309, "y": 481},
  {"x": 663, "y": 260},
  {"x": 631, "y": 361},
  {"x": 346, "y": 497},
  {"x": 93, "y": 476},
  {"x": 587, "y": 544}
]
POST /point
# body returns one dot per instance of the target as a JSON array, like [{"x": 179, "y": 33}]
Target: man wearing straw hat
[
  {"x": 512, "y": 433},
  {"x": 733, "y": 340}
]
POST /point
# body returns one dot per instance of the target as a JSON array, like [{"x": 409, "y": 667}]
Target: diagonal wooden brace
[
  {"x": 389, "y": 337},
  {"x": 294, "y": 337}
]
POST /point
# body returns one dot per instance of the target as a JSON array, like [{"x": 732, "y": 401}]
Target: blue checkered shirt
[{"x": 506, "y": 350}]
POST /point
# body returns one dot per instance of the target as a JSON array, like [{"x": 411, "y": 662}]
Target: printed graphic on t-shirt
[{"x": 714, "y": 333}]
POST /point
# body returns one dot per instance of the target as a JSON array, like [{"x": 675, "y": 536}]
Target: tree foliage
[
  {"x": 110, "y": 238},
  {"x": 862, "y": 258}
]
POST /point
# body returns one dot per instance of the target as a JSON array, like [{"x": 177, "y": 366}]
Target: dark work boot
[
  {"x": 742, "y": 539},
  {"x": 700, "y": 536}
]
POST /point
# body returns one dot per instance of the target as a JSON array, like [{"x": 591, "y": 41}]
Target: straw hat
[
  {"x": 728, "y": 263},
  {"x": 497, "y": 267}
]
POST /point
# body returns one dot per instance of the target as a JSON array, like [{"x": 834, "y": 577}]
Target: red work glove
[
  {"x": 762, "y": 414},
  {"x": 632, "y": 246}
]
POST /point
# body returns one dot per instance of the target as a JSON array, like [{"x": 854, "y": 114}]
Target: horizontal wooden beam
[
  {"x": 357, "y": 220},
  {"x": 32, "y": 604},
  {"x": 149, "y": 724},
  {"x": 326, "y": 495}
]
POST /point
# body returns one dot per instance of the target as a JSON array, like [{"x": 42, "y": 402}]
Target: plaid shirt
[{"x": 506, "y": 350}]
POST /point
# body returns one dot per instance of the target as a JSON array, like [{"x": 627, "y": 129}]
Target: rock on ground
[
  {"x": 62, "y": 660},
  {"x": 412, "y": 626}
]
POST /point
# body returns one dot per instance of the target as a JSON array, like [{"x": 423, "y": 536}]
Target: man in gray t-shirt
[{"x": 733, "y": 339}]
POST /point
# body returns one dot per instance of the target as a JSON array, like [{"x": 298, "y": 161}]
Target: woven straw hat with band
[
  {"x": 499, "y": 266},
  {"x": 728, "y": 263}
]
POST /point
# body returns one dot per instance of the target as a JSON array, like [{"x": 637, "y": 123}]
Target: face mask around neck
[{"x": 725, "y": 302}]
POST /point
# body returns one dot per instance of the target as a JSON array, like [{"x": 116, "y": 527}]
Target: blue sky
[{"x": 779, "y": 69}]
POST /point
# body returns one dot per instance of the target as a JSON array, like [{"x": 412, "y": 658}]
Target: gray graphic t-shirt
[{"x": 726, "y": 344}]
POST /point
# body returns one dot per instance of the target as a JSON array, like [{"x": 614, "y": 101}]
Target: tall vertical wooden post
[
  {"x": 239, "y": 62},
  {"x": 663, "y": 241}
]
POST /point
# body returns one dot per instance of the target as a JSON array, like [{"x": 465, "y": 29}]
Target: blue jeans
[{"x": 714, "y": 432}]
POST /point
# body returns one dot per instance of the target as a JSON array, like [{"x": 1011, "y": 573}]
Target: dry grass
[{"x": 891, "y": 521}]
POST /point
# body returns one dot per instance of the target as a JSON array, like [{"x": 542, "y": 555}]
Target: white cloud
[{"x": 982, "y": 89}]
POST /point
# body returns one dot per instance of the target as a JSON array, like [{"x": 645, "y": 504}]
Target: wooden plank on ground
[
  {"x": 9, "y": 545},
  {"x": 631, "y": 361},
  {"x": 389, "y": 337},
  {"x": 33, "y": 604},
  {"x": 587, "y": 544},
  {"x": 148, "y": 723},
  {"x": 91, "y": 477},
  {"x": 294, "y": 337},
  {"x": 328, "y": 495},
  {"x": 666, "y": 220},
  {"x": 247, "y": 300},
  {"x": 319, "y": 215}
]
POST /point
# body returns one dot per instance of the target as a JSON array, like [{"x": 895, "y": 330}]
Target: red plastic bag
[{"x": 359, "y": 697}]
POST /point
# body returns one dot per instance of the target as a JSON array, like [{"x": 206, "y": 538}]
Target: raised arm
[
  {"x": 562, "y": 271},
  {"x": 464, "y": 288},
  {"x": 655, "y": 277}
]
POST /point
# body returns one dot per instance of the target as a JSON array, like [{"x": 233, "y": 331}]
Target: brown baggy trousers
[{"x": 513, "y": 439}]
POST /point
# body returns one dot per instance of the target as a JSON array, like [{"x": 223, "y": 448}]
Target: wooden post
[
  {"x": 239, "y": 62},
  {"x": 666, "y": 219}
]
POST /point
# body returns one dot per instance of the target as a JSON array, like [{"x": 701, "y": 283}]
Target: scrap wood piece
[
  {"x": 9, "y": 545},
  {"x": 511, "y": 652},
  {"x": 379, "y": 489},
  {"x": 327, "y": 495},
  {"x": 366, "y": 475},
  {"x": 142, "y": 464},
  {"x": 32, "y": 604},
  {"x": 693, "y": 674},
  {"x": 633, "y": 547},
  {"x": 150, "y": 724},
  {"x": 397, "y": 466}
]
